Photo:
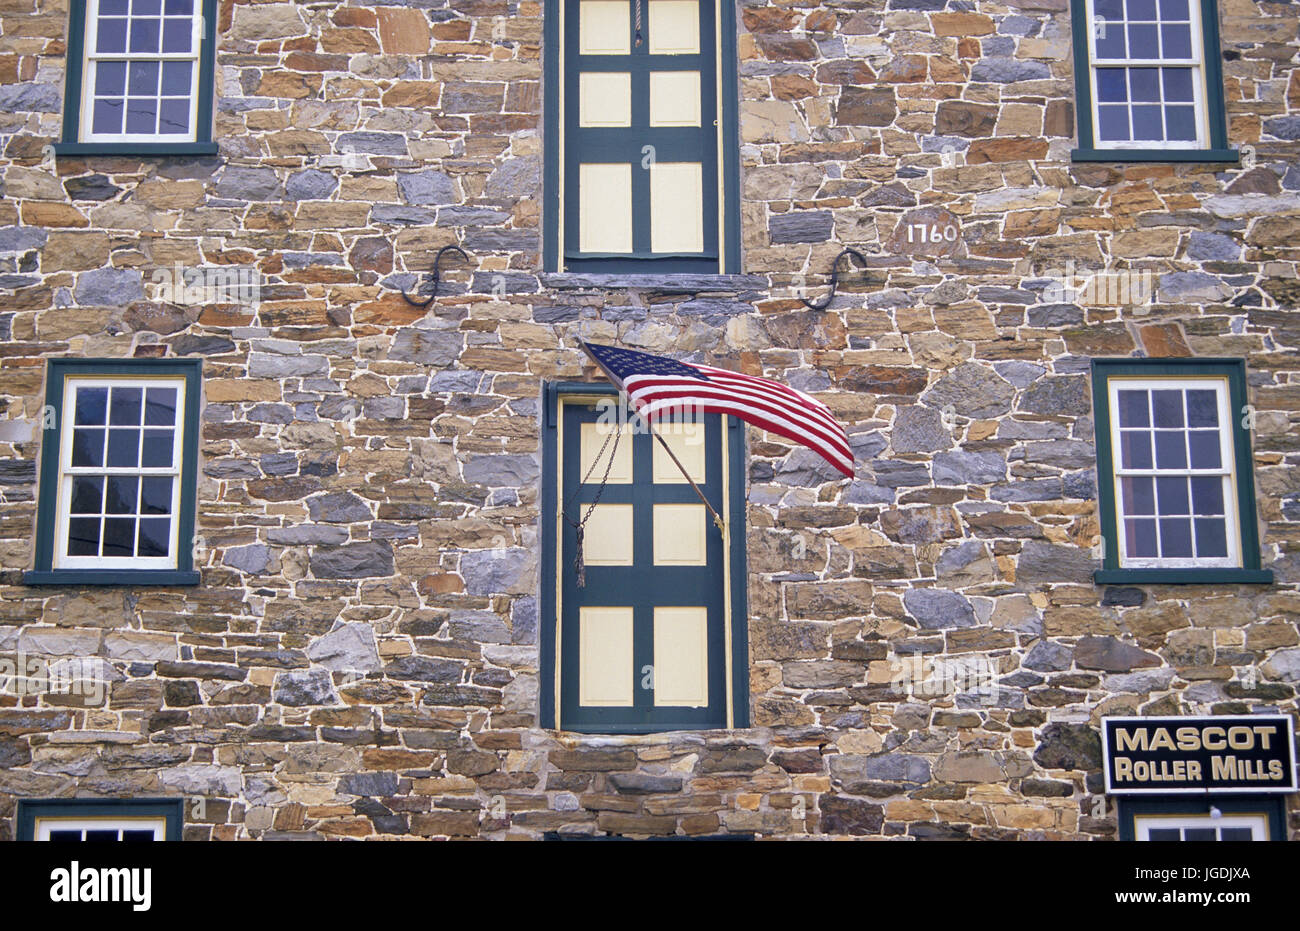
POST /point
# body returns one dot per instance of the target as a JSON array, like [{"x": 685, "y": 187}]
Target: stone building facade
[{"x": 360, "y": 655}]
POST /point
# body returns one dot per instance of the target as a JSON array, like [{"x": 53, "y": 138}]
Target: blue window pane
[
  {"x": 1207, "y": 495},
  {"x": 155, "y": 537},
  {"x": 88, "y": 448},
  {"x": 110, "y": 35},
  {"x": 1178, "y": 84},
  {"x": 1141, "y": 9},
  {"x": 1133, "y": 409},
  {"x": 119, "y": 536},
  {"x": 1135, "y": 449},
  {"x": 186, "y": 7},
  {"x": 83, "y": 536},
  {"x": 142, "y": 116},
  {"x": 122, "y": 494},
  {"x": 1171, "y": 493},
  {"x": 108, "y": 116},
  {"x": 1144, "y": 84},
  {"x": 123, "y": 449},
  {"x": 1109, "y": 9},
  {"x": 1110, "y": 40},
  {"x": 1113, "y": 123},
  {"x": 1176, "y": 41},
  {"x": 175, "y": 116},
  {"x": 1142, "y": 41},
  {"x": 1110, "y": 85},
  {"x": 1176, "y": 537},
  {"x": 144, "y": 78},
  {"x": 1234, "y": 834},
  {"x": 1171, "y": 450},
  {"x": 1168, "y": 408},
  {"x": 176, "y": 78},
  {"x": 124, "y": 409},
  {"x": 87, "y": 495},
  {"x": 1139, "y": 495},
  {"x": 157, "y": 451},
  {"x": 113, "y": 7},
  {"x": 1140, "y": 538},
  {"x": 155, "y": 495},
  {"x": 176, "y": 35},
  {"x": 110, "y": 78},
  {"x": 1202, "y": 409},
  {"x": 1181, "y": 122},
  {"x": 1147, "y": 124},
  {"x": 1173, "y": 9},
  {"x": 92, "y": 406},
  {"x": 1211, "y": 537},
  {"x": 1204, "y": 448},
  {"x": 147, "y": 7},
  {"x": 144, "y": 35},
  {"x": 160, "y": 407}
]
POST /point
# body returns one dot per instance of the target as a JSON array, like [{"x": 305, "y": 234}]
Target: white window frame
[
  {"x": 1228, "y": 471},
  {"x": 88, "y": 77},
  {"x": 1143, "y": 824},
  {"x": 67, "y": 473},
  {"x": 1199, "y": 92},
  {"x": 47, "y": 823}
]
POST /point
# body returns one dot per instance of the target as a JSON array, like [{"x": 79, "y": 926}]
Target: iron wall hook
[
  {"x": 835, "y": 278},
  {"x": 437, "y": 276}
]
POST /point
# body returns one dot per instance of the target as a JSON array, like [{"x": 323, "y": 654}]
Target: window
[
  {"x": 139, "y": 77},
  {"x": 118, "y": 473},
  {"x": 1202, "y": 819},
  {"x": 655, "y": 639},
  {"x": 1148, "y": 80},
  {"x": 111, "y": 820},
  {"x": 641, "y": 102},
  {"x": 1176, "y": 489}
]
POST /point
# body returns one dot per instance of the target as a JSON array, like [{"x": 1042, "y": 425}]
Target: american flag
[{"x": 656, "y": 385}]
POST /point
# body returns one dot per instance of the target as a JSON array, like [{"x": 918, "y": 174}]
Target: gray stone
[
  {"x": 369, "y": 784},
  {"x": 22, "y": 238},
  {"x": 1065, "y": 454},
  {"x": 1035, "y": 489},
  {"x": 1148, "y": 680},
  {"x": 30, "y": 98},
  {"x": 310, "y": 184},
  {"x": 1213, "y": 247},
  {"x": 935, "y": 609},
  {"x": 1284, "y": 665},
  {"x": 352, "y": 561},
  {"x": 471, "y": 216},
  {"x": 805, "y": 468},
  {"x": 1020, "y": 374},
  {"x": 965, "y": 468},
  {"x": 349, "y": 647},
  {"x": 499, "y": 572},
  {"x": 898, "y": 474},
  {"x": 1193, "y": 288},
  {"x": 109, "y": 287},
  {"x": 1111, "y": 655},
  {"x": 396, "y": 213},
  {"x": 973, "y": 391},
  {"x": 892, "y": 767},
  {"x": 371, "y": 143},
  {"x": 801, "y": 226},
  {"x": 252, "y": 559},
  {"x": 253, "y": 184},
  {"x": 304, "y": 687},
  {"x": 1009, "y": 70},
  {"x": 501, "y": 470},
  {"x": 1049, "y": 562},
  {"x": 1283, "y": 127},
  {"x": 92, "y": 187},
  {"x": 274, "y": 365},
  {"x": 1061, "y": 395},
  {"x": 1048, "y": 656},
  {"x": 1069, "y": 746},
  {"x": 644, "y": 783},
  {"x": 516, "y": 177},
  {"x": 17, "y": 471},
  {"x": 428, "y": 347},
  {"x": 919, "y": 429},
  {"x": 479, "y": 627},
  {"x": 1054, "y": 315},
  {"x": 965, "y": 564},
  {"x": 426, "y": 187},
  {"x": 306, "y": 534},
  {"x": 231, "y": 468},
  {"x": 338, "y": 507}
]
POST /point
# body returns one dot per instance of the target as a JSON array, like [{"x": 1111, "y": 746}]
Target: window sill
[
  {"x": 682, "y": 283},
  {"x": 1183, "y": 576},
  {"x": 1231, "y": 156},
  {"x": 142, "y": 149},
  {"x": 149, "y": 578}
]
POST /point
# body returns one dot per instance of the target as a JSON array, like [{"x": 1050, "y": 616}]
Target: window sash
[
  {"x": 61, "y": 559},
  {"x": 45, "y": 824},
  {"x": 1144, "y": 824},
  {"x": 1199, "y": 89},
  {"x": 90, "y": 75},
  {"x": 1227, "y": 472}
]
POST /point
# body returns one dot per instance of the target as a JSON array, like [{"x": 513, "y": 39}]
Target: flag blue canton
[{"x": 624, "y": 363}]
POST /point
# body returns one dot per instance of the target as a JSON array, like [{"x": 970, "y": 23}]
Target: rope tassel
[{"x": 579, "y": 566}]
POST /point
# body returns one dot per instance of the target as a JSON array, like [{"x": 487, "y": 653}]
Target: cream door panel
[
  {"x": 605, "y": 207},
  {"x": 593, "y": 437},
  {"x": 681, "y": 657},
  {"x": 677, "y": 207},
  {"x": 680, "y": 535},
  {"x": 604, "y": 27},
  {"x": 686, "y": 440},
  {"x": 605, "y": 656},
  {"x": 605, "y": 99},
  {"x": 674, "y": 98},
  {"x": 607, "y": 536},
  {"x": 674, "y": 27}
]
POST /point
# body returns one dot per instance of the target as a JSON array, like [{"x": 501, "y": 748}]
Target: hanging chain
[
  {"x": 579, "y": 565},
  {"x": 638, "y": 23}
]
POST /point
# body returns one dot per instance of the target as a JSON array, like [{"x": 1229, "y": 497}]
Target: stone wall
[{"x": 361, "y": 657}]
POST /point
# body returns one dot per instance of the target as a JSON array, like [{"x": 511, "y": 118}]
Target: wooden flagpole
[{"x": 717, "y": 520}]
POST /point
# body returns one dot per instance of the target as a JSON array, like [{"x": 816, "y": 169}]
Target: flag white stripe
[{"x": 796, "y": 398}]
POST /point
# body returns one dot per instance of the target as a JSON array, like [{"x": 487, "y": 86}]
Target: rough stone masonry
[{"x": 361, "y": 657}]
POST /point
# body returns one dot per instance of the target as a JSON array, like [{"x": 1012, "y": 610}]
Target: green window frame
[
  {"x": 640, "y": 147},
  {"x": 1178, "y": 810},
  {"x": 644, "y": 585},
  {"x": 58, "y": 475},
  {"x": 75, "y": 139},
  {"x": 37, "y": 817},
  {"x": 1234, "y": 469},
  {"x": 1201, "y": 65}
]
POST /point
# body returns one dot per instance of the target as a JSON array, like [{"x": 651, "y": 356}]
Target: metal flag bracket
[
  {"x": 437, "y": 276},
  {"x": 835, "y": 279}
]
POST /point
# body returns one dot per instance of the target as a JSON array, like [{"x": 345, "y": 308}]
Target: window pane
[
  {"x": 65, "y": 835},
  {"x": 176, "y": 35},
  {"x": 1147, "y": 123},
  {"x": 154, "y": 536},
  {"x": 113, "y": 7},
  {"x": 119, "y": 536},
  {"x": 174, "y": 117},
  {"x": 1180, "y": 124},
  {"x": 176, "y": 77},
  {"x": 123, "y": 449},
  {"x": 1141, "y": 9},
  {"x": 144, "y": 81},
  {"x": 142, "y": 116},
  {"x": 1176, "y": 537},
  {"x": 1168, "y": 408},
  {"x": 101, "y": 836},
  {"x": 1207, "y": 495},
  {"x": 1211, "y": 537},
  {"x": 1139, "y": 495},
  {"x": 155, "y": 495},
  {"x": 1133, "y": 409},
  {"x": 1140, "y": 537},
  {"x": 121, "y": 497},
  {"x": 83, "y": 536},
  {"x": 157, "y": 452},
  {"x": 1199, "y": 834},
  {"x": 1113, "y": 123},
  {"x": 1109, "y": 9},
  {"x": 1235, "y": 834},
  {"x": 131, "y": 836},
  {"x": 1164, "y": 834},
  {"x": 1171, "y": 449},
  {"x": 186, "y": 7},
  {"x": 1171, "y": 493},
  {"x": 110, "y": 80},
  {"x": 1135, "y": 449},
  {"x": 87, "y": 495},
  {"x": 147, "y": 7},
  {"x": 92, "y": 403},
  {"x": 1144, "y": 83},
  {"x": 1111, "y": 89},
  {"x": 88, "y": 448},
  {"x": 1205, "y": 450},
  {"x": 1110, "y": 41},
  {"x": 110, "y": 35},
  {"x": 160, "y": 407},
  {"x": 1173, "y": 9},
  {"x": 125, "y": 409},
  {"x": 1176, "y": 41},
  {"x": 1142, "y": 41},
  {"x": 1202, "y": 409},
  {"x": 108, "y": 116},
  {"x": 144, "y": 35}
]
